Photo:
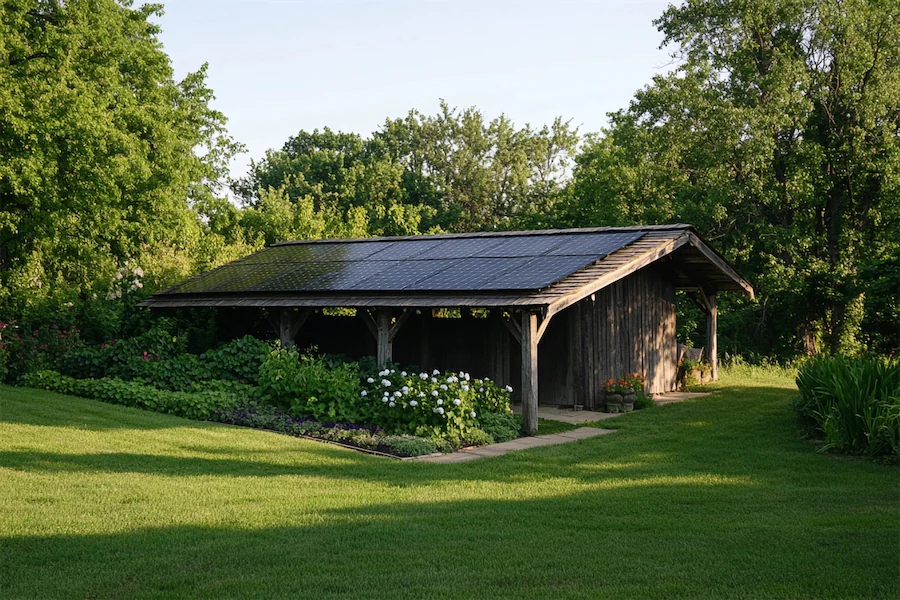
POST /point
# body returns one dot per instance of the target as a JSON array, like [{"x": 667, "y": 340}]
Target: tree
[
  {"x": 450, "y": 172},
  {"x": 777, "y": 135},
  {"x": 101, "y": 151}
]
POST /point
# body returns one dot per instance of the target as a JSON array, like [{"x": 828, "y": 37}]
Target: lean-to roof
[{"x": 548, "y": 269}]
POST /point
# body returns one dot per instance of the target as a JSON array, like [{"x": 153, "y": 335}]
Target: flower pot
[
  {"x": 614, "y": 407},
  {"x": 629, "y": 397},
  {"x": 627, "y": 406}
]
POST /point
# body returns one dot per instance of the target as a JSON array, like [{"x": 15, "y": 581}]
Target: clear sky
[{"x": 279, "y": 66}]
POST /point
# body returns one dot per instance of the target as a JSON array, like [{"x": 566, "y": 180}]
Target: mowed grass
[{"x": 712, "y": 498}]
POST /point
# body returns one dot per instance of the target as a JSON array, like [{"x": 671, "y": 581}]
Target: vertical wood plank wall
[{"x": 628, "y": 327}]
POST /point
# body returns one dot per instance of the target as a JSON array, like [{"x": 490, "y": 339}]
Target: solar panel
[
  {"x": 513, "y": 247},
  {"x": 464, "y": 274},
  {"x": 538, "y": 272},
  {"x": 460, "y": 248},
  {"x": 592, "y": 244},
  {"x": 509, "y": 262}
]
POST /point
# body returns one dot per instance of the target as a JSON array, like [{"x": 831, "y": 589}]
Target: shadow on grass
[{"x": 596, "y": 543}]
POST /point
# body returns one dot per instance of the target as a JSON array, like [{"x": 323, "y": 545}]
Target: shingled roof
[{"x": 549, "y": 269}]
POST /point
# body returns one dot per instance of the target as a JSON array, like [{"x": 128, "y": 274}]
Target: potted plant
[
  {"x": 613, "y": 395},
  {"x": 632, "y": 385}
]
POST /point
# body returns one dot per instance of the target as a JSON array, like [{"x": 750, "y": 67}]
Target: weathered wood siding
[
  {"x": 628, "y": 327},
  {"x": 625, "y": 328}
]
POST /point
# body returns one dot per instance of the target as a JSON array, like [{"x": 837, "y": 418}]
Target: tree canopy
[{"x": 777, "y": 135}]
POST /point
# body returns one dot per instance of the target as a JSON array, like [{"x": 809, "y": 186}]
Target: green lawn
[{"x": 716, "y": 497}]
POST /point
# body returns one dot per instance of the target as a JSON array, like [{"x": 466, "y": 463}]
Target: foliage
[
  {"x": 23, "y": 352},
  {"x": 777, "y": 136},
  {"x": 853, "y": 402},
  {"x": 197, "y": 405},
  {"x": 239, "y": 359},
  {"x": 307, "y": 386},
  {"x": 262, "y": 416},
  {"x": 633, "y": 382},
  {"x": 439, "y": 405},
  {"x": 644, "y": 401},
  {"x": 501, "y": 427},
  {"x": 453, "y": 171},
  {"x": 102, "y": 152}
]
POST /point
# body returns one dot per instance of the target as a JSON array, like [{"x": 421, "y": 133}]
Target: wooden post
[
  {"x": 424, "y": 341},
  {"x": 385, "y": 347},
  {"x": 529, "y": 333},
  {"x": 287, "y": 323},
  {"x": 712, "y": 346}
]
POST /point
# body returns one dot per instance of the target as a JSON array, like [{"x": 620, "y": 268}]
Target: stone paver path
[{"x": 517, "y": 444}]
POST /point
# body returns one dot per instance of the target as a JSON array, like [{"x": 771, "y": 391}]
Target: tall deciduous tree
[
  {"x": 100, "y": 149},
  {"x": 779, "y": 135}
]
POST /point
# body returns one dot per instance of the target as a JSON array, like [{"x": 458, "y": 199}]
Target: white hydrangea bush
[{"x": 442, "y": 404}]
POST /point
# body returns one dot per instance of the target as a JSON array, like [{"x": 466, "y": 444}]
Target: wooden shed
[{"x": 552, "y": 313}]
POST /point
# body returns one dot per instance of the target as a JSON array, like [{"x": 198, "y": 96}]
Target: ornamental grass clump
[{"x": 852, "y": 403}]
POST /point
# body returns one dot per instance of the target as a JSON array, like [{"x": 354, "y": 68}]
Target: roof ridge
[{"x": 489, "y": 234}]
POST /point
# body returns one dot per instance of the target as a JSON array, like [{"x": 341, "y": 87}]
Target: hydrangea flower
[
  {"x": 423, "y": 376},
  {"x": 481, "y": 389},
  {"x": 402, "y": 373},
  {"x": 404, "y": 389},
  {"x": 413, "y": 403},
  {"x": 386, "y": 394},
  {"x": 440, "y": 401},
  {"x": 421, "y": 394},
  {"x": 509, "y": 388},
  {"x": 465, "y": 388},
  {"x": 385, "y": 399},
  {"x": 466, "y": 376},
  {"x": 392, "y": 404},
  {"x": 487, "y": 378},
  {"x": 434, "y": 380},
  {"x": 443, "y": 387},
  {"x": 392, "y": 372},
  {"x": 434, "y": 393},
  {"x": 398, "y": 394},
  {"x": 439, "y": 410},
  {"x": 472, "y": 414},
  {"x": 364, "y": 393},
  {"x": 457, "y": 402},
  {"x": 370, "y": 380},
  {"x": 435, "y": 372},
  {"x": 385, "y": 382}
]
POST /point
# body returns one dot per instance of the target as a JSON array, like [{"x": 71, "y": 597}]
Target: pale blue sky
[{"x": 279, "y": 66}]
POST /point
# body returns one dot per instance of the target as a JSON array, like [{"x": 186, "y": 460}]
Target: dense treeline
[{"x": 776, "y": 135}]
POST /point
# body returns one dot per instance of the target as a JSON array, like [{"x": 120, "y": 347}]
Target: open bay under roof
[{"x": 522, "y": 268}]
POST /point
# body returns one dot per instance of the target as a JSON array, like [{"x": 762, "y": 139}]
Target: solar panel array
[{"x": 451, "y": 264}]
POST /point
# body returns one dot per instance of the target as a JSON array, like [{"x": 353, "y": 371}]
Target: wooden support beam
[
  {"x": 513, "y": 327},
  {"x": 529, "y": 332},
  {"x": 383, "y": 336},
  {"x": 699, "y": 298},
  {"x": 395, "y": 328},
  {"x": 542, "y": 328},
  {"x": 712, "y": 343},
  {"x": 287, "y": 323},
  {"x": 369, "y": 320}
]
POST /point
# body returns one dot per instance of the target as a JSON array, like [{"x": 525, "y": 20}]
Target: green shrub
[
  {"x": 4, "y": 359},
  {"x": 477, "y": 437},
  {"x": 644, "y": 401},
  {"x": 407, "y": 445},
  {"x": 502, "y": 427},
  {"x": 36, "y": 350},
  {"x": 439, "y": 405},
  {"x": 197, "y": 405},
  {"x": 239, "y": 359},
  {"x": 305, "y": 385},
  {"x": 854, "y": 403}
]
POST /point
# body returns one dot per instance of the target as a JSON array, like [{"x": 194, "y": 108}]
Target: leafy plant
[
  {"x": 502, "y": 427},
  {"x": 305, "y": 385},
  {"x": 854, "y": 403},
  {"x": 197, "y": 405}
]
